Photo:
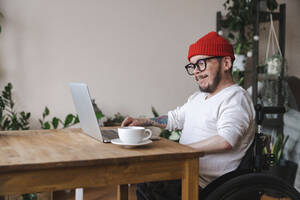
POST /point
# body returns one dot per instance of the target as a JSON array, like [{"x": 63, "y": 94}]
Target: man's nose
[{"x": 196, "y": 71}]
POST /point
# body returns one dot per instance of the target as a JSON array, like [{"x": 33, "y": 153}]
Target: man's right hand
[
  {"x": 160, "y": 122},
  {"x": 129, "y": 121}
]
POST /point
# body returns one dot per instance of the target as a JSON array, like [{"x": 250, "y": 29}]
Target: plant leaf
[
  {"x": 46, "y": 112},
  {"x": 165, "y": 134},
  {"x": 285, "y": 140},
  {"x": 28, "y": 115},
  {"x": 41, "y": 123},
  {"x": 99, "y": 115},
  {"x": 278, "y": 155},
  {"x": 55, "y": 122},
  {"x": 155, "y": 113},
  {"x": 46, "y": 125},
  {"x": 68, "y": 120},
  {"x": 282, "y": 146},
  {"x": 76, "y": 119},
  {"x": 277, "y": 146}
]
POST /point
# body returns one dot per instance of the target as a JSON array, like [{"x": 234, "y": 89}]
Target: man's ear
[{"x": 227, "y": 63}]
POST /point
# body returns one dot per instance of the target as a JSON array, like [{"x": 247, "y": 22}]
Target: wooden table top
[{"x": 42, "y": 149}]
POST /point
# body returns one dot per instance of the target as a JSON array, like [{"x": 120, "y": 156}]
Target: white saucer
[{"x": 117, "y": 141}]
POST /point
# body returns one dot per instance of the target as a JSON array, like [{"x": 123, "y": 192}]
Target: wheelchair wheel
[{"x": 254, "y": 186}]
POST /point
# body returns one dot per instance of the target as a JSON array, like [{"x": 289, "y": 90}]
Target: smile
[{"x": 201, "y": 77}]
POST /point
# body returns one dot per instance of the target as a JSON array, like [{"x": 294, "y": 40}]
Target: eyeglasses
[{"x": 200, "y": 64}]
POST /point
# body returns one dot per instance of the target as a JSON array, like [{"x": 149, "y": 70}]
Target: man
[{"x": 217, "y": 120}]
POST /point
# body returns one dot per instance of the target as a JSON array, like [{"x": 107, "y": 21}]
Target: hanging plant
[{"x": 239, "y": 23}]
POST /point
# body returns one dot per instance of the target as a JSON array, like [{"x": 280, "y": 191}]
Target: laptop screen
[{"x": 85, "y": 110}]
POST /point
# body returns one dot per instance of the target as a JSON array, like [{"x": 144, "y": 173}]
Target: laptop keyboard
[{"x": 109, "y": 134}]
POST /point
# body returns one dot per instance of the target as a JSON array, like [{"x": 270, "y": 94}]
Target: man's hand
[
  {"x": 129, "y": 121},
  {"x": 160, "y": 122}
]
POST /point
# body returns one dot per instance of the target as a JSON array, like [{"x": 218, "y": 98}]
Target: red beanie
[{"x": 211, "y": 45}]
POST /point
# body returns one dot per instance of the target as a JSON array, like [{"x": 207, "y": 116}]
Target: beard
[{"x": 212, "y": 87}]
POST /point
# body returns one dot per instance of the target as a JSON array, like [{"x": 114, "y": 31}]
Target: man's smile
[{"x": 200, "y": 77}]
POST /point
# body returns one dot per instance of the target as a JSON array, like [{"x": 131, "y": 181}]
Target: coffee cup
[{"x": 134, "y": 134}]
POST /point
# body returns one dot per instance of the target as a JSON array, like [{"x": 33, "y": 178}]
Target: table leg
[
  {"x": 122, "y": 192},
  {"x": 190, "y": 180}
]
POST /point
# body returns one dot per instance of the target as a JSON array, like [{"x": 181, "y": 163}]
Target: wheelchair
[{"x": 249, "y": 182}]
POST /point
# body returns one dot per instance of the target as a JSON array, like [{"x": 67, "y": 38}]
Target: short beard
[{"x": 216, "y": 81}]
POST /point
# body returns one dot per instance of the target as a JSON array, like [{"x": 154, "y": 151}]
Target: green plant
[
  {"x": 274, "y": 150},
  {"x": 239, "y": 22},
  {"x": 154, "y": 112},
  {"x": 171, "y": 135},
  {"x": 10, "y": 119},
  {"x": 116, "y": 120},
  {"x": 98, "y": 112},
  {"x": 239, "y": 15},
  {"x": 69, "y": 120},
  {"x": 238, "y": 77}
]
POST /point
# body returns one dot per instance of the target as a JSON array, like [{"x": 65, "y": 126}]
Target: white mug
[{"x": 134, "y": 134}]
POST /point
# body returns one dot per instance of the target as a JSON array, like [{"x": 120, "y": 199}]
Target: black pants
[{"x": 162, "y": 190}]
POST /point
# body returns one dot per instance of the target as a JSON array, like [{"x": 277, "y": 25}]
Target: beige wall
[{"x": 131, "y": 53}]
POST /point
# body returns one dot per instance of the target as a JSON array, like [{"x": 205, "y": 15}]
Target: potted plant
[
  {"x": 274, "y": 64},
  {"x": 276, "y": 164}
]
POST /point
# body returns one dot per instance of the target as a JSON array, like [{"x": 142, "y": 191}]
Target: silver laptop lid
[{"x": 85, "y": 110}]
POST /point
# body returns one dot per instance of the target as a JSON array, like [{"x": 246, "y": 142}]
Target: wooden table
[{"x": 49, "y": 160}]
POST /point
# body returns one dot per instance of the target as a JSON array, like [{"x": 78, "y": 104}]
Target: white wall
[{"x": 131, "y": 53}]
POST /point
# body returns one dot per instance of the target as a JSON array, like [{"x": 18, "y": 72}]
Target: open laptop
[{"x": 86, "y": 113}]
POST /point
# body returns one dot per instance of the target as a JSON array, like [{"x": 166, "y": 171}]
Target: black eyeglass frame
[{"x": 191, "y": 65}]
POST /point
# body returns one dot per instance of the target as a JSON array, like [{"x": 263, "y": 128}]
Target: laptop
[{"x": 86, "y": 114}]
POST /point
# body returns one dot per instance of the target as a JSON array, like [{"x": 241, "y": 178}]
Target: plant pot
[
  {"x": 274, "y": 65},
  {"x": 285, "y": 170}
]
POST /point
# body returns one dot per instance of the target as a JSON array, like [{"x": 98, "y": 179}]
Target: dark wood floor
[{"x": 103, "y": 193}]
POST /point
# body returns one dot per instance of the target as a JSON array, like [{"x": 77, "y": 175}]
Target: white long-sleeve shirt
[{"x": 229, "y": 114}]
